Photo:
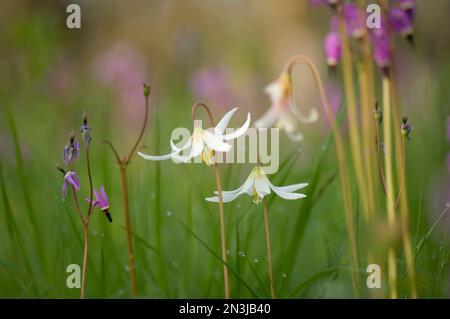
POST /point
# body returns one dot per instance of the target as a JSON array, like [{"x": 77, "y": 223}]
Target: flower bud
[
  {"x": 332, "y": 47},
  {"x": 147, "y": 90}
]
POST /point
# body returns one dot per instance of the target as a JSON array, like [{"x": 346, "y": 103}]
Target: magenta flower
[
  {"x": 214, "y": 85},
  {"x": 354, "y": 20},
  {"x": 382, "y": 51},
  {"x": 101, "y": 201},
  {"x": 70, "y": 179},
  {"x": 408, "y": 6},
  {"x": 332, "y": 47},
  {"x": 401, "y": 22}
]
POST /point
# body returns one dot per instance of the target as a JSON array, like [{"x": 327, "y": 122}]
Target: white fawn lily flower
[
  {"x": 204, "y": 143},
  {"x": 258, "y": 186},
  {"x": 283, "y": 113}
]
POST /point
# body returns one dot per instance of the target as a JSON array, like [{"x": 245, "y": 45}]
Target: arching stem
[{"x": 221, "y": 210}]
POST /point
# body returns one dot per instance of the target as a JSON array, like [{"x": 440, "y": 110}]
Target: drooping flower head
[
  {"x": 85, "y": 130},
  {"x": 71, "y": 151},
  {"x": 409, "y": 7},
  {"x": 283, "y": 113},
  {"x": 354, "y": 20},
  {"x": 70, "y": 179},
  {"x": 101, "y": 201},
  {"x": 203, "y": 142},
  {"x": 401, "y": 22},
  {"x": 258, "y": 186},
  {"x": 332, "y": 48}
]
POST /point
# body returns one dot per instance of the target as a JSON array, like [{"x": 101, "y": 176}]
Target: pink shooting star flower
[
  {"x": 101, "y": 201},
  {"x": 70, "y": 179}
]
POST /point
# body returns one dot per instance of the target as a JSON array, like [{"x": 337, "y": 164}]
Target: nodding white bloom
[
  {"x": 258, "y": 186},
  {"x": 283, "y": 113},
  {"x": 204, "y": 143}
]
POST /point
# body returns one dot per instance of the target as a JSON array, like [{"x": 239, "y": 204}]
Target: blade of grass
[
  {"x": 211, "y": 251},
  {"x": 324, "y": 274},
  {"x": 307, "y": 203}
]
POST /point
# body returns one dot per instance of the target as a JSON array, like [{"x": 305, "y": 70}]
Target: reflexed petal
[
  {"x": 64, "y": 189},
  {"x": 289, "y": 196},
  {"x": 215, "y": 143},
  {"x": 312, "y": 117},
  {"x": 289, "y": 188},
  {"x": 179, "y": 149},
  {"x": 268, "y": 119},
  {"x": 103, "y": 194},
  {"x": 196, "y": 150},
  {"x": 225, "y": 198},
  {"x": 228, "y": 196},
  {"x": 157, "y": 157},
  {"x": 223, "y": 123},
  {"x": 248, "y": 185},
  {"x": 275, "y": 91},
  {"x": 240, "y": 131}
]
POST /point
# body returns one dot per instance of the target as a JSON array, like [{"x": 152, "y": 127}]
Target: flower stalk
[
  {"x": 221, "y": 210},
  {"x": 123, "y": 163},
  {"x": 343, "y": 171}
]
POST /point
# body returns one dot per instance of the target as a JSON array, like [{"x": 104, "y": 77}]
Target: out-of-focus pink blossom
[
  {"x": 382, "y": 51},
  {"x": 124, "y": 69},
  {"x": 213, "y": 85},
  {"x": 332, "y": 47},
  {"x": 401, "y": 22},
  {"x": 354, "y": 20}
]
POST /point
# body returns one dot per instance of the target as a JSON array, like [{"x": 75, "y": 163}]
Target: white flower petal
[
  {"x": 228, "y": 196},
  {"x": 287, "y": 195},
  {"x": 268, "y": 119},
  {"x": 225, "y": 198},
  {"x": 275, "y": 91},
  {"x": 157, "y": 157},
  {"x": 262, "y": 185},
  {"x": 223, "y": 123},
  {"x": 215, "y": 143},
  {"x": 312, "y": 117},
  {"x": 289, "y": 188},
  {"x": 240, "y": 131},
  {"x": 248, "y": 185},
  {"x": 179, "y": 149},
  {"x": 196, "y": 150}
]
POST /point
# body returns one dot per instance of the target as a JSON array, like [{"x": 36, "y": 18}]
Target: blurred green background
[{"x": 223, "y": 53}]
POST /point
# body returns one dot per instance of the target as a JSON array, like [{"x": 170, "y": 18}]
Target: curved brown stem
[
  {"x": 206, "y": 108},
  {"x": 141, "y": 134},
  {"x": 77, "y": 205},
  {"x": 221, "y": 210},
  {"x": 113, "y": 149},
  {"x": 338, "y": 139}
]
